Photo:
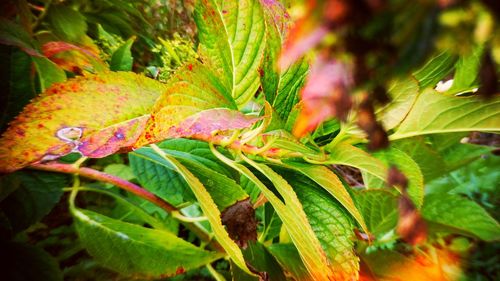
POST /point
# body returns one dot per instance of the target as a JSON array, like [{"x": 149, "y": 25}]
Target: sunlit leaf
[
  {"x": 437, "y": 113},
  {"x": 135, "y": 250},
  {"x": 435, "y": 70},
  {"x": 73, "y": 58},
  {"x": 345, "y": 154},
  {"x": 211, "y": 212},
  {"x": 194, "y": 103},
  {"x": 327, "y": 179},
  {"x": 403, "y": 94},
  {"x": 96, "y": 115},
  {"x": 232, "y": 40},
  {"x": 331, "y": 224},
  {"x": 292, "y": 214}
]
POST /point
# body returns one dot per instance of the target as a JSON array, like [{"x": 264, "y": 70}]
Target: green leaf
[
  {"x": 258, "y": 256},
  {"x": 160, "y": 177},
  {"x": 135, "y": 250},
  {"x": 403, "y": 94},
  {"x": 405, "y": 164},
  {"x": 331, "y": 224},
  {"x": 331, "y": 184},
  {"x": 19, "y": 85},
  {"x": 109, "y": 110},
  {"x": 379, "y": 208},
  {"x": 271, "y": 222},
  {"x": 13, "y": 34},
  {"x": 48, "y": 72},
  {"x": 292, "y": 215},
  {"x": 288, "y": 257},
  {"x": 232, "y": 42},
  {"x": 435, "y": 70},
  {"x": 437, "y": 113},
  {"x": 467, "y": 72},
  {"x": 67, "y": 23},
  {"x": 26, "y": 262},
  {"x": 38, "y": 193},
  {"x": 430, "y": 161},
  {"x": 478, "y": 177},
  {"x": 460, "y": 215},
  {"x": 211, "y": 211},
  {"x": 122, "y": 59},
  {"x": 346, "y": 154},
  {"x": 290, "y": 84}
]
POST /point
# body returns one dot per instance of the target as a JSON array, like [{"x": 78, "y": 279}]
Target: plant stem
[
  {"x": 128, "y": 186},
  {"x": 103, "y": 177}
]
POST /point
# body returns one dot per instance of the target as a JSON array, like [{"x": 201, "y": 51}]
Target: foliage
[{"x": 266, "y": 147}]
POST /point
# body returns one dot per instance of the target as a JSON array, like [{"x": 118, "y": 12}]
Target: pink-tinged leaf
[
  {"x": 50, "y": 49},
  {"x": 73, "y": 58},
  {"x": 121, "y": 136},
  {"x": 325, "y": 95},
  {"x": 276, "y": 12},
  {"x": 96, "y": 115},
  {"x": 211, "y": 121},
  {"x": 191, "y": 90}
]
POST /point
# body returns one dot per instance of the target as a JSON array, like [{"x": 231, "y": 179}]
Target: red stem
[
  {"x": 126, "y": 185},
  {"x": 100, "y": 176}
]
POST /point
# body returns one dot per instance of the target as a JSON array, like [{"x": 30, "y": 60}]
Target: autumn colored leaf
[
  {"x": 324, "y": 96},
  {"x": 95, "y": 115},
  {"x": 432, "y": 264},
  {"x": 194, "y": 103},
  {"x": 71, "y": 57}
]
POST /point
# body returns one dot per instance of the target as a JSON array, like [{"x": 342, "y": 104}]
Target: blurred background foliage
[{"x": 47, "y": 41}]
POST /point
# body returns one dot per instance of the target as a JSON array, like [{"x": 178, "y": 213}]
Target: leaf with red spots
[
  {"x": 194, "y": 103},
  {"x": 96, "y": 115}
]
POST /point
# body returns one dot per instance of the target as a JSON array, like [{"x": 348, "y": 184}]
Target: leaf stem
[
  {"x": 103, "y": 177},
  {"x": 128, "y": 186}
]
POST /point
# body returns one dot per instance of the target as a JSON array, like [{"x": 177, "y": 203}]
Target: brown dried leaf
[{"x": 240, "y": 222}]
